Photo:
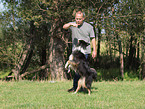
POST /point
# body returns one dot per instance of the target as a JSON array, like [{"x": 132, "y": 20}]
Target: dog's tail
[{"x": 94, "y": 73}]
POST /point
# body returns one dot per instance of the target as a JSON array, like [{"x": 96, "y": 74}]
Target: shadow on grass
[{"x": 85, "y": 91}]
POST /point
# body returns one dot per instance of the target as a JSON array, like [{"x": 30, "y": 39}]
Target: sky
[{"x": 1, "y": 7}]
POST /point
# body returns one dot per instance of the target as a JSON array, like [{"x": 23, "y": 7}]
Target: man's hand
[
  {"x": 74, "y": 24},
  {"x": 94, "y": 54},
  {"x": 66, "y": 26}
]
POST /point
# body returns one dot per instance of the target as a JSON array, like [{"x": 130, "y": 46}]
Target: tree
[
  {"x": 50, "y": 41},
  {"x": 133, "y": 25}
]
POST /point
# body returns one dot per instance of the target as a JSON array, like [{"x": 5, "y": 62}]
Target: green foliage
[
  {"x": 54, "y": 95},
  {"x": 113, "y": 74},
  {"x": 120, "y": 19},
  {"x": 4, "y": 73},
  {"x": 9, "y": 54},
  {"x": 131, "y": 76},
  {"x": 108, "y": 74}
]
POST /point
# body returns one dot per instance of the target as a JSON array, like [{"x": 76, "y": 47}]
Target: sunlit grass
[{"x": 54, "y": 95}]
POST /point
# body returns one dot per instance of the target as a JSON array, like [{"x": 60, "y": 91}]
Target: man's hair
[{"x": 80, "y": 12}]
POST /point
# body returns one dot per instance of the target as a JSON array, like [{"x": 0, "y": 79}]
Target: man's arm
[
  {"x": 68, "y": 25},
  {"x": 94, "y": 53}
]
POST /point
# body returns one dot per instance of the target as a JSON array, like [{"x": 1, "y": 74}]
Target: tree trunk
[
  {"x": 56, "y": 58},
  {"x": 43, "y": 39},
  {"x": 121, "y": 65},
  {"x": 121, "y": 59},
  {"x": 132, "y": 52},
  {"x": 110, "y": 50},
  {"x": 24, "y": 61},
  {"x": 98, "y": 49},
  {"x": 26, "y": 55},
  {"x": 138, "y": 50},
  {"x": 43, "y": 74},
  {"x": 143, "y": 58}
]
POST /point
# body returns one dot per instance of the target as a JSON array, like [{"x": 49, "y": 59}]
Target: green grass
[
  {"x": 47, "y": 95},
  {"x": 4, "y": 73}
]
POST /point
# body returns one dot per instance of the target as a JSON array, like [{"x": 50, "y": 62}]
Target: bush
[
  {"x": 113, "y": 74},
  {"x": 131, "y": 76}
]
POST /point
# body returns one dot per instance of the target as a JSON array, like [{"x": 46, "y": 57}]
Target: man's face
[{"x": 79, "y": 18}]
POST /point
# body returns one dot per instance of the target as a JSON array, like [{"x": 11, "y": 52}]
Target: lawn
[{"x": 54, "y": 95}]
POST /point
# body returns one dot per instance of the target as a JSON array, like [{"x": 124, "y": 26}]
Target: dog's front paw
[
  {"x": 68, "y": 71},
  {"x": 66, "y": 65},
  {"x": 74, "y": 93}
]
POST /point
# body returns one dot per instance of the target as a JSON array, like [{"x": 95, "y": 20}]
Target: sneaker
[{"x": 71, "y": 90}]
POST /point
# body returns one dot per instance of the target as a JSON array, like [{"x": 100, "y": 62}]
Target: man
[{"x": 81, "y": 30}]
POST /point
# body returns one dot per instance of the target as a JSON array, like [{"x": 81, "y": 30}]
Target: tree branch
[{"x": 36, "y": 70}]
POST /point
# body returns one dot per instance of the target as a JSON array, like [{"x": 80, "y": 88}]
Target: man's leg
[{"x": 75, "y": 81}]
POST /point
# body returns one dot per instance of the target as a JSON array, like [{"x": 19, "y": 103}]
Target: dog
[
  {"x": 81, "y": 45},
  {"x": 77, "y": 62}
]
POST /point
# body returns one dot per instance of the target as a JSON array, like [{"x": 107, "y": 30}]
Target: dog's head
[
  {"x": 82, "y": 43},
  {"x": 78, "y": 55}
]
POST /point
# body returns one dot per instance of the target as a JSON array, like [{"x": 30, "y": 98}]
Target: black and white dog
[{"x": 77, "y": 62}]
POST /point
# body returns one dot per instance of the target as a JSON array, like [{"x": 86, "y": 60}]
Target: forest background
[{"x": 34, "y": 46}]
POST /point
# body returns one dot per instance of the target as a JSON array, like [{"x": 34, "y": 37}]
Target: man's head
[{"x": 79, "y": 17}]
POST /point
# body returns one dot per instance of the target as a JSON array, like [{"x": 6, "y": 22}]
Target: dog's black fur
[{"x": 81, "y": 66}]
